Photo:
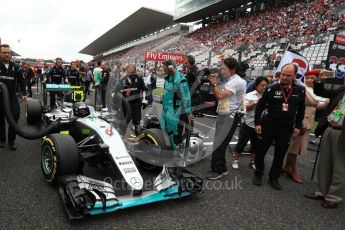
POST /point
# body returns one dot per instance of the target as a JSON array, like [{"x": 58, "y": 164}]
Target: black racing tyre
[
  {"x": 59, "y": 156},
  {"x": 156, "y": 137},
  {"x": 33, "y": 111}
]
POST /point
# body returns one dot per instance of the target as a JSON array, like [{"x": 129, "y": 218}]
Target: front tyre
[
  {"x": 59, "y": 156},
  {"x": 155, "y": 137}
]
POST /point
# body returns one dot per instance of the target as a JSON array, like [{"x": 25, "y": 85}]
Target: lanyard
[{"x": 286, "y": 98}]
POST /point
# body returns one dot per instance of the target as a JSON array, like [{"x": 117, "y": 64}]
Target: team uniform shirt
[
  {"x": 250, "y": 98},
  {"x": 56, "y": 75},
  {"x": 9, "y": 75},
  {"x": 73, "y": 76},
  {"x": 132, "y": 87},
  {"x": 279, "y": 110},
  {"x": 237, "y": 86}
]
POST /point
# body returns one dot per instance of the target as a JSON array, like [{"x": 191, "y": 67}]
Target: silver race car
[{"x": 86, "y": 136}]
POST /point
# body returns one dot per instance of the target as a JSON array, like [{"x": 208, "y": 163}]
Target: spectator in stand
[
  {"x": 247, "y": 128},
  {"x": 299, "y": 144}
]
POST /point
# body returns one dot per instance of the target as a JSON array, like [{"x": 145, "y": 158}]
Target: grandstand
[
  {"x": 145, "y": 29},
  {"x": 257, "y": 32}
]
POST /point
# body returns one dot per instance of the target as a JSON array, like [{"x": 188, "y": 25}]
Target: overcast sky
[{"x": 50, "y": 28}]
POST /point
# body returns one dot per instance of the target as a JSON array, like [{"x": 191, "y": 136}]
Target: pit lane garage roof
[
  {"x": 213, "y": 9},
  {"x": 142, "y": 22}
]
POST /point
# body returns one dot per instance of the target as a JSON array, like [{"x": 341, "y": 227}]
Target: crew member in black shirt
[
  {"x": 56, "y": 75},
  {"x": 132, "y": 87},
  {"x": 284, "y": 103},
  {"x": 9, "y": 75},
  {"x": 73, "y": 75}
]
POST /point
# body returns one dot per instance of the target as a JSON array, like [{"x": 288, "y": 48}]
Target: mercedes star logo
[{"x": 136, "y": 181}]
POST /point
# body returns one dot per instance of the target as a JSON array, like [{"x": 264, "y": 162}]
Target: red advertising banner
[
  {"x": 340, "y": 39},
  {"x": 162, "y": 56}
]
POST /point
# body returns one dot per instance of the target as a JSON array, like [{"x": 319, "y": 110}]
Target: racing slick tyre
[
  {"x": 33, "y": 111},
  {"x": 59, "y": 156},
  {"x": 155, "y": 137}
]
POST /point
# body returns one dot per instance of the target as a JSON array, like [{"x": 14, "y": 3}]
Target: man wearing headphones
[{"x": 176, "y": 101}]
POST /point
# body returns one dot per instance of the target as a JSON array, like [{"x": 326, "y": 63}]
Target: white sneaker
[{"x": 235, "y": 164}]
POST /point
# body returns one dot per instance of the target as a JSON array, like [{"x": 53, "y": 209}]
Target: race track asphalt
[{"x": 28, "y": 202}]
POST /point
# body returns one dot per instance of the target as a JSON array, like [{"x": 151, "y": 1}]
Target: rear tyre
[
  {"x": 33, "y": 111},
  {"x": 59, "y": 156},
  {"x": 155, "y": 137}
]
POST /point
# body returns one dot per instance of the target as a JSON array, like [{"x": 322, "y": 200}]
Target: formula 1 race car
[{"x": 96, "y": 137}]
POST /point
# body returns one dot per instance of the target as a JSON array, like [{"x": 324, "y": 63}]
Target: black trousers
[
  {"x": 29, "y": 88},
  {"x": 52, "y": 96},
  {"x": 136, "y": 113},
  {"x": 87, "y": 87},
  {"x": 269, "y": 132},
  {"x": 245, "y": 133},
  {"x": 104, "y": 92},
  {"x": 15, "y": 109}
]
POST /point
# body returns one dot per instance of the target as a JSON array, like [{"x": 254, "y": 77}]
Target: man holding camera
[{"x": 229, "y": 98}]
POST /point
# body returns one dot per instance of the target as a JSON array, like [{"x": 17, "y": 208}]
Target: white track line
[{"x": 204, "y": 125}]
